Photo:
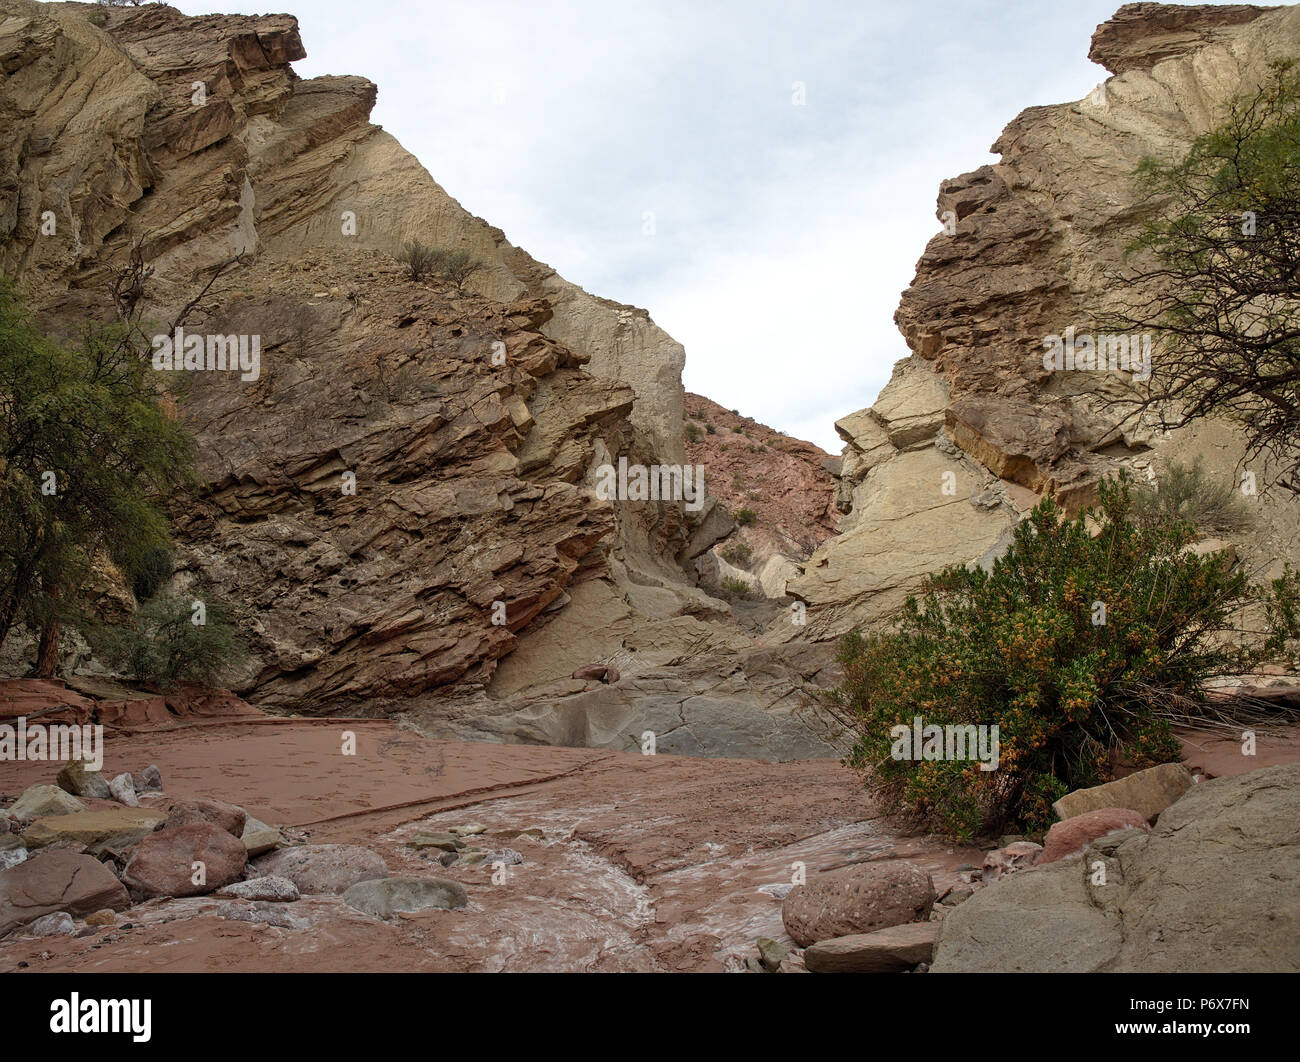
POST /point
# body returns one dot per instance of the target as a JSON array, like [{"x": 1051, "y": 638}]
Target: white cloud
[{"x": 784, "y": 234}]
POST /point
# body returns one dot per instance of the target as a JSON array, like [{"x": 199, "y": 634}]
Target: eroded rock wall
[{"x": 971, "y": 430}]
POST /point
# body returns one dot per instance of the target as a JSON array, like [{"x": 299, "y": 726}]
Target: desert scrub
[
  {"x": 739, "y": 554},
  {"x": 733, "y": 587},
  {"x": 693, "y": 433},
  {"x": 164, "y": 642},
  {"x": 1188, "y": 493},
  {"x": 1078, "y": 648},
  {"x": 744, "y": 517}
]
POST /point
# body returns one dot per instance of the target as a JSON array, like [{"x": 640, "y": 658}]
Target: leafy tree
[
  {"x": 1080, "y": 644},
  {"x": 1221, "y": 266},
  {"x": 86, "y": 453}
]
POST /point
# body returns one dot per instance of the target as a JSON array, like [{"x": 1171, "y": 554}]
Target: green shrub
[
  {"x": 739, "y": 554},
  {"x": 1026, "y": 647},
  {"x": 744, "y": 517},
  {"x": 693, "y": 433},
  {"x": 163, "y": 645},
  {"x": 711, "y": 429},
  {"x": 736, "y": 587},
  {"x": 1183, "y": 493}
]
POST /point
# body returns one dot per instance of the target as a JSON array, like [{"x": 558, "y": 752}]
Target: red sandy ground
[{"x": 647, "y": 863}]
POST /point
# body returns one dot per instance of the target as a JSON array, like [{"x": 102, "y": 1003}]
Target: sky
[{"x": 758, "y": 174}]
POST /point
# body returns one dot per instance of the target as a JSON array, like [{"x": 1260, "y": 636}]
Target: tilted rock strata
[{"x": 1036, "y": 241}]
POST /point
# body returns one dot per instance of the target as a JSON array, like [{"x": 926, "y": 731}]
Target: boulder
[
  {"x": 104, "y": 917},
  {"x": 79, "y": 779},
  {"x": 122, "y": 789},
  {"x": 1018, "y": 855},
  {"x": 227, "y": 817},
  {"x": 270, "y": 889},
  {"x": 38, "y": 801},
  {"x": 57, "y": 881},
  {"x": 58, "y": 924},
  {"x": 857, "y": 899},
  {"x": 323, "y": 868},
  {"x": 1211, "y": 889},
  {"x": 385, "y": 897},
  {"x": 1072, "y": 836},
  {"x": 886, "y": 950},
  {"x": 149, "y": 780},
  {"x": 1147, "y": 792},
  {"x": 164, "y": 862},
  {"x": 98, "y": 830}
]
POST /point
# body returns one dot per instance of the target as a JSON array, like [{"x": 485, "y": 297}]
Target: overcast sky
[{"x": 783, "y": 232}]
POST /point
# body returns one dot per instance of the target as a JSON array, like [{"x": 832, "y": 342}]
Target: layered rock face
[
  {"x": 971, "y": 430},
  {"x": 466, "y": 425},
  {"x": 787, "y": 485},
  {"x": 402, "y": 495}
]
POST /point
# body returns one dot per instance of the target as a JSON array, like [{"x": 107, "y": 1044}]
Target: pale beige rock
[
  {"x": 883, "y": 951},
  {"x": 1147, "y": 792},
  {"x": 111, "y": 828}
]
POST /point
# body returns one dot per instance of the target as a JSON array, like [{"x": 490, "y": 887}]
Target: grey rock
[
  {"x": 447, "y": 842},
  {"x": 149, "y": 780},
  {"x": 271, "y": 888},
  {"x": 79, "y": 779},
  {"x": 771, "y": 953},
  {"x": 122, "y": 789},
  {"x": 1147, "y": 792},
  {"x": 1211, "y": 889},
  {"x": 58, "y": 924},
  {"x": 508, "y": 856},
  {"x": 386, "y": 897},
  {"x": 267, "y": 914},
  {"x": 888, "y": 950},
  {"x": 323, "y": 868}
]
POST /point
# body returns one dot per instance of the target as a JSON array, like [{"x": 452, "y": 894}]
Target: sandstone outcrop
[
  {"x": 855, "y": 900},
  {"x": 1211, "y": 888},
  {"x": 57, "y": 881},
  {"x": 971, "y": 429},
  {"x": 409, "y": 460}
]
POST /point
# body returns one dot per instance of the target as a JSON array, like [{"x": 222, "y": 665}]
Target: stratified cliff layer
[
  {"x": 971, "y": 430},
  {"x": 402, "y": 504}
]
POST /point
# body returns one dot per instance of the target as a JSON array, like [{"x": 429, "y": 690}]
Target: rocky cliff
[
  {"x": 971, "y": 430},
  {"x": 401, "y": 503}
]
